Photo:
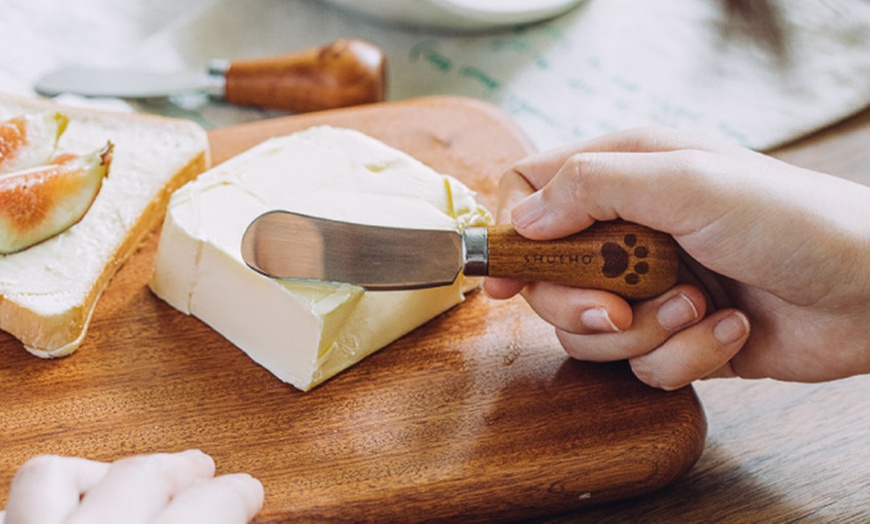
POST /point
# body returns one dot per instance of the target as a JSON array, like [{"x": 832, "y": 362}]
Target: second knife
[{"x": 343, "y": 73}]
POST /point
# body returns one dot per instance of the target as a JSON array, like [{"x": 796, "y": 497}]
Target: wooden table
[{"x": 776, "y": 452}]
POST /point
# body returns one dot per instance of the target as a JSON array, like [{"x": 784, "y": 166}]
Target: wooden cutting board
[{"x": 477, "y": 415}]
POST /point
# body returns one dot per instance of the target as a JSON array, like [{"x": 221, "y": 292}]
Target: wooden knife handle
[
  {"x": 630, "y": 260},
  {"x": 344, "y": 73}
]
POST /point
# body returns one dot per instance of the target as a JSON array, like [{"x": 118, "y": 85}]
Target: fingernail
[
  {"x": 731, "y": 328},
  {"x": 528, "y": 211},
  {"x": 677, "y": 312},
  {"x": 597, "y": 319}
]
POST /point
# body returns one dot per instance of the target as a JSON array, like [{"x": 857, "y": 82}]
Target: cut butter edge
[{"x": 305, "y": 333}]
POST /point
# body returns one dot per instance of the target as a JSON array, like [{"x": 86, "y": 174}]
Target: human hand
[
  {"x": 156, "y": 489},
  {"x": 772, "y": 246}
]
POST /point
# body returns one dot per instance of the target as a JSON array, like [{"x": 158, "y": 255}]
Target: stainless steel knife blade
[
  {"x": 118, "y": 83},
  {"x": 300, "y": 247}
]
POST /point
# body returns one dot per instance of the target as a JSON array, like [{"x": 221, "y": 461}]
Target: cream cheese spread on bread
[{"x": 48, "y": 291}]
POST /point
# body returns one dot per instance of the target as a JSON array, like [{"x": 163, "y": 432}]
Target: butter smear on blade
[{"x": 305, "y": 333}]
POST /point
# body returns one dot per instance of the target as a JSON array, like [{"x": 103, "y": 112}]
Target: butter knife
[{"x": 621, "y": 257}]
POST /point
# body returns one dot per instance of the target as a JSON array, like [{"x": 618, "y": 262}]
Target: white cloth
[{"x": 758, "y": 73}]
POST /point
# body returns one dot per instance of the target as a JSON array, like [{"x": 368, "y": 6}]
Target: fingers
[
  {"x": 46, "y": 489},
  {"x": 667, "y": 340},
  {"x": 502, "y": 288},
  {"x": 664, "y": 358},
  {"x": 538, "y": 169},
  {"x": 579, "y": 311},
  {"x": 701, "y": 351},
  {"x": 654, "y": 322},
  {"x": 659, "y": 177},
  {"x": 178, "y": 487},
  {"x": 228, "y": 499},
  {"x": 134, "y": 489},
  {"x": 595, "y": 186},
  {"x": 512, "y": 188},
  {"x": 677, "y": 192}
]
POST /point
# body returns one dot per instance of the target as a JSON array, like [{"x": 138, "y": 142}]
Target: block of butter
[{"x": 305, "y": 333}]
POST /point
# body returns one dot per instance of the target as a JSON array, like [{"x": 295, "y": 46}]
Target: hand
[
  {"x": 773, "y": 250},
  {"x": 162, "y": 488}
]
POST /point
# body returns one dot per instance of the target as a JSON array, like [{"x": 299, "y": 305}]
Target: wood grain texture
[
  {"x": 627, "y": 259},
  {"x": 342, "y": 74},
  {"x": 477, "y": 415}
]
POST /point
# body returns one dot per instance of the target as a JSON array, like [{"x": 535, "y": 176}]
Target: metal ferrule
[
  {"x": 475, "y": 252},
  {"x": 216, "y": 77}
]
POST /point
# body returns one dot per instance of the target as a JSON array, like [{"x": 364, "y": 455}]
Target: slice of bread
[{"x": 48, "y": 291}]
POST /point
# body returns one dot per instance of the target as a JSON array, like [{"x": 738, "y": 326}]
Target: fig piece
[
  {"x": 40, "y": 202},
  {"x": 30, "y": 140}
]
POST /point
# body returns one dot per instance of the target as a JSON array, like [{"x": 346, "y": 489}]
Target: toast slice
[{"x": 48, "y": 291}]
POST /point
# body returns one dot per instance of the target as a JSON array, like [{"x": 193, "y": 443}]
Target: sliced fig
[
  {"x": 30, "y": 140},
  {"x": 40, "y": 202}
]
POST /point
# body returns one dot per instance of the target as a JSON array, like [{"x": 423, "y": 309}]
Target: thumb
[{"x": 646, "y": 188}]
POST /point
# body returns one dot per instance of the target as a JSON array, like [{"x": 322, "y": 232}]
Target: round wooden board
[{"x": 477, "y": 415}]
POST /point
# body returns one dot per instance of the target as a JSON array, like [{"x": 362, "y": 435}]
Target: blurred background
[{"x": 758, "y": 73}]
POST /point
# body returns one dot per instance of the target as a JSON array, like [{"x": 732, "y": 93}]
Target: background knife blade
[{"x": 120, "y": 83}]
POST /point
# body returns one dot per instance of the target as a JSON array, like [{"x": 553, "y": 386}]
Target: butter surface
[{"x": 305, "y": 333}]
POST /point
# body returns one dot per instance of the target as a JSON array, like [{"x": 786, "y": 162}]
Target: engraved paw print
[{"x": 618, "y": 258}]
